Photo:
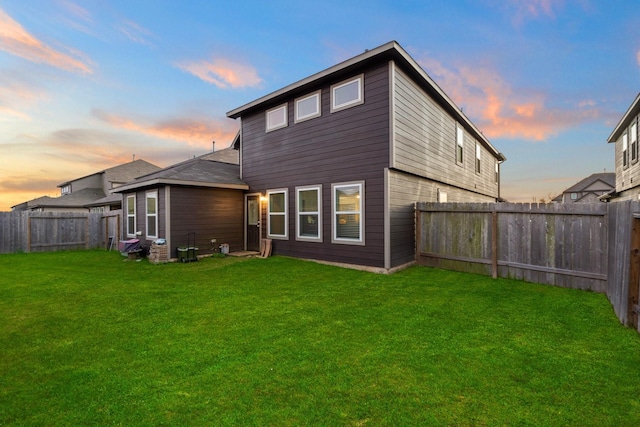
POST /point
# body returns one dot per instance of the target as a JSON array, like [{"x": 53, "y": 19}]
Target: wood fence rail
[{"x": 583, "y": 246}]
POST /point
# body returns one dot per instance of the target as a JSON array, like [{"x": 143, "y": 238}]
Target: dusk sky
[{"x": 86, "y": 85}]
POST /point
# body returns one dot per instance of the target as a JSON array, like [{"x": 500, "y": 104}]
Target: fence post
[
  {"x": 418, "y": 219},
  {"x": 494, "y": 243},
  {"x": 634, "y": 274}
]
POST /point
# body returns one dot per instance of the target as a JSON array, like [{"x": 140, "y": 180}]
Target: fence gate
[{"x": 634, "y": 274}]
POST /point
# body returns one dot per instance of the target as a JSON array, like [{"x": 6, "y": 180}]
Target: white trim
[
  {"x": 387, "y": 219},
  {"x": 167, "y": 217},
  {"x": 133, "y": 215},
  {"x": 459, "y": 144},
  {"x": 358, "y": 211},
  {"x": 318, "y": 213},
  {"x": 318, "y": 104},
  {"x": 246, "y": 197},
  {"x": 148, "y": 195},
  {"x": 352, "y": 103},
  {"x": 285, "y": 214},
  {"x": 271, "y": 113}
]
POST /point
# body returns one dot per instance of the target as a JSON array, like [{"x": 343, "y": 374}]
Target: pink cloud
[
  {"x": 498, "y": 110},
  {"x": 198, "y": 133},
  {"x": 223, "y": 73},
  {"x": 17, "y": 41},
  {"x": 135, "y": 32}
]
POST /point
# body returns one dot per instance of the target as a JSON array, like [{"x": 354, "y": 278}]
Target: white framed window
[
  {"x": 347, "y": 94},
  {"x": 65, "y": 189},
  {"x": 307, "y": 107},
  {"x": 348, "y": 214},
  {"x": 625, "y": 150},
  {"x": 277, "y": 118},
  {"x": 633, "y": 132},
  {"x": 152, "y": 214},
  {"x": 497, "y": 171},
  {"x": 309, "y": 213},
  {"x": 97, "y": 209},
  {"x": 574, "y": 196},
  {"x": 277, "y": 214},
  {"x": 478, "y": 154},
  {"x": 131, "y": 215},
  {"x": 459, "y": 143}
]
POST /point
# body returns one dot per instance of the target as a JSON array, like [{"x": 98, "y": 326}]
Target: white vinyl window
[
  {"x": 348, "y": 213},
  {"x": 625, "y": 150},
  {"x": 459, "y": 143},
  {"x": 497, "y": 171},
  {"x": 347, "y": 94},
  {"x": 65, "y": 189},
  {"x": 277, "y": 214},
  {"x": 309, "y": 213},
  {"x": 152, "y": 214},
  {"x": 634, "y": 141},
  {"x": 307, "y": 107},
  {"x": 478, "y": 152},
  {"x": 277, "y": 118},
  {"x": 131, "y": 215}
]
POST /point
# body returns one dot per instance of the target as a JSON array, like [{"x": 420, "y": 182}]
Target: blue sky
[{"x": 85, "y": 85}]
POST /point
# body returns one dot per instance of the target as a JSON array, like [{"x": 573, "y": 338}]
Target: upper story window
[
  {"x": 277, "y": 214},
  {"x": 625, "y": 150},
  {"x": 307, "y": 107},
  {"x": 459, "y": 143},
  {"x": 497, "y": 171},
  {"x": 131, "y": 215},
  {"x": 574, "y": 196},
  {"x": 347, "y": 94},
  {"x": 277, "y": 118},
  {"x": 633, "y": 136},
  {"x": 478, "y": 151},
  {"x": 309, "y": 213},
  {"x": 65, "y": 189}
]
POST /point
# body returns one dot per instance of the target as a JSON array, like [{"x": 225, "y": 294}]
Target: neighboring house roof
[
  {"x": 200, "y": 171},
  {"x": 76, "y": 199},
  {"x": 110, "y": 200},
  {"x": 122, "y": 173},
  {"x": 590, "y": 183},
  {"x": 595, "y": 183},
  {"x": 626, "y": 119},
  {"x": 391, "y": 50}
]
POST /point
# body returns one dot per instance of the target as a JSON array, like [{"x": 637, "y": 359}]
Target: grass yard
[{"x": 87, "y": 339}]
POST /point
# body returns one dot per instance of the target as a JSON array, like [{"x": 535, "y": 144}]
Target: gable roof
[
  {"x": 587, "y": 184},
  {"x": 626, "y": 119},
  {"x": 122, "y": 173},
  {"x": 390, "y": 50},
  {"x": 200, "y": 171},
  {"x": 78, "y": 199}
]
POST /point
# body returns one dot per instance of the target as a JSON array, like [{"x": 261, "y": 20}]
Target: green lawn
[{"x": 87, "y": 339}]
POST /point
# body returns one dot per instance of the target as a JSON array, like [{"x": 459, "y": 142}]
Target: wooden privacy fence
[
  {"x": 55, "y": 231},
  {"x": 583, "y": 246}
]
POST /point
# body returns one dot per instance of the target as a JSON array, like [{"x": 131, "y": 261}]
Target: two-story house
[
  {"x": 91, "y": 192},
  {"x": 625, "y": 137},
  {"x": 336, "y": 161}
]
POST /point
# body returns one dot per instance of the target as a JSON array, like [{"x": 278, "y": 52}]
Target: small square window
[
  {"x": 308, "y": 107},
  {"x": 347, "y": 94},
  {"x": 277, "y": 118}
]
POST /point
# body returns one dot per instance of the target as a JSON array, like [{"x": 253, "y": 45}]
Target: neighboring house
[
  {"x": 625, "y": 137},
  {"x": 92, "y": 192},
  {"x": 589, "y": 190},
  {"x": 203, "y": 195},
  {"x": 340, "y": 158}
]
